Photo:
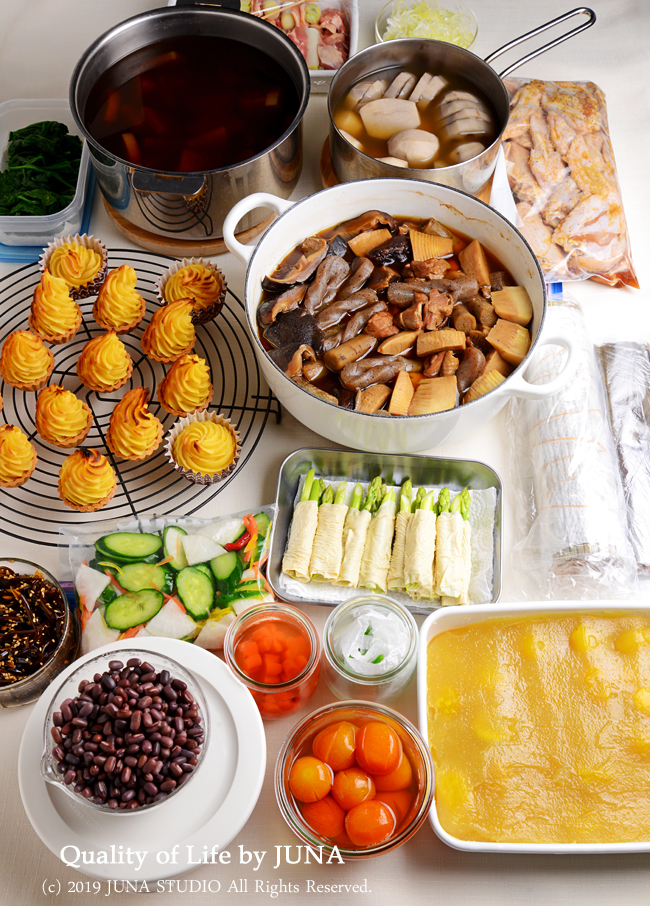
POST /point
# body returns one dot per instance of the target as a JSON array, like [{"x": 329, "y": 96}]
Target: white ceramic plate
[
  {"x": 209, "y": 812},
  {"x": 457, "y": 617}
]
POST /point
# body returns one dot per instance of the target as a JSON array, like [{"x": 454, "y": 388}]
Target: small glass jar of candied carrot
[{"x": 275, "y": 651}]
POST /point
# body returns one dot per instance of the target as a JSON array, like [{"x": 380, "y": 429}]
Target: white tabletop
[{"x": 40, "y": 42}]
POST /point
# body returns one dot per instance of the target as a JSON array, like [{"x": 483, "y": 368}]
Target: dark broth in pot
[{"x": 189, "y": 104}]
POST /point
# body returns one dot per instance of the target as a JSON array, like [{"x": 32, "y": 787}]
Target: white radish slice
[
  {"x": 90, "y": 583},
  {"x": 97, "y": 633},
  {"x": 199, "y": 549},
  {"x": 385, "y": 117},
  {"x": 171, "y": 622},
  {"x": 223, "y": 531},
  {"x": 214, "y": 632}
]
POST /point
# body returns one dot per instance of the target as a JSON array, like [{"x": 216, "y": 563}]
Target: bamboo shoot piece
[
  {"x": 370, "y": 239},
  {"x": 513, "y": 303},
  {"x": 399, "y": 344},
  {"x": 432, "y": 341},
  {"x": 395, "y": 578},
  {"x": 297, "y": 555},
  {"x": 474, "y": 263},
  {"x": 425, "y": 246},
  {"x": 372, "y": 398},
  {"x": 434, "y": 395},
  {"x": 512, "y": 341},
  {"x": 494, "y": 362},
  {"x": 402, "y": 394},
  {"x": 483, "y": 384}
]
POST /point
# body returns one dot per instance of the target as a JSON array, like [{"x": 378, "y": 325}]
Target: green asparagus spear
[
  {"x": 357, "y": 495},
  {"x": 418, "y": 499},
  {"x": 427, "y": 501},
  {"x": 316, "y": 490},
  {"x": 373, "y": 489},
  {"x": 340, "y": 492},
  {"x": 465, "y": 501},
  {"x": 306, "y": 488},
  {"x": 405, "y": 496},
  {"x": 444, "y": 501},
  {"x": 328, "y": 495}
]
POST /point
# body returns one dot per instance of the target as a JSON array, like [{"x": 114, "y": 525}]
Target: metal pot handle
[
  {"x": 186, "y": 186},
  {"x": 518, "y": 385},
  {"x": 243, "y": 207},
  {"x": 581, "y": 10}
]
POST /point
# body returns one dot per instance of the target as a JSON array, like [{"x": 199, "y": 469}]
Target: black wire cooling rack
[{"x": 34, "y": 511}]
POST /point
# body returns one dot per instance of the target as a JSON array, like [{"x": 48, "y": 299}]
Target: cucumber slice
[
  {"x": 173, "y": 547},
  {"x": 224, "y": 600},
  {"x": 133, "y": 608},
  {"x": 138, "y": 576},
  {"x": 130, "y": 546},
  {"x": 196, "y": 591},
  {"x": 263, "y": 523},
  {"x": 205, "y": 569},
  {"x": 102, "y": 564},
  {"x": 228, "y": 570},
  {"x": 109, "y": 594}
]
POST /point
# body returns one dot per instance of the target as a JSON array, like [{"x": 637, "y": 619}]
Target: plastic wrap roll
[
  {"x": 626, "y": 367},
  {"x": 574, "y": 541}
]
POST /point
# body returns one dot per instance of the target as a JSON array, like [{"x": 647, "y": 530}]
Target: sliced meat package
[{"x": 562, "y": 174}]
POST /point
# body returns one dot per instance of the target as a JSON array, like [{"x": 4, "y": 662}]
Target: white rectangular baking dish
[{"x": 457, "y": 617}]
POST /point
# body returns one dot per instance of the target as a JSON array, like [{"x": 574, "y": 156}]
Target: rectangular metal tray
[{"x": 348, "y": 465}]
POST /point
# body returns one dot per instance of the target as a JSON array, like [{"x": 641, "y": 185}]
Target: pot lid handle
[
  {"x": 518, "y": 386},
  {"x": 581, "y": 10}
]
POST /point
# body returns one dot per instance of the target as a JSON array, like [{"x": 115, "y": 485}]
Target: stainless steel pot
[
  {"x": 191, "y": 205},
  {"x": 437, "y": 56}
]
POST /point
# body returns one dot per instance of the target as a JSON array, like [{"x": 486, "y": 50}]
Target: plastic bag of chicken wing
[{"x": 562, "y": 174}]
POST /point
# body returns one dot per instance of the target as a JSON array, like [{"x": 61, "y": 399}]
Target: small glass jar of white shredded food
[
  {"x": 369, "y": 649},
  {"x": 453, "y": 22}
]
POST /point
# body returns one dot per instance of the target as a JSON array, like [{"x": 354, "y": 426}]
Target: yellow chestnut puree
[
  {"x": 204, "y": 447},
  {"x": 539, "y": 729}
]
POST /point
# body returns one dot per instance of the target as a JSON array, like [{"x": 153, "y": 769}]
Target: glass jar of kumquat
[
  {"x": 356, "y": 775},
  {"x": 275, "y": 651}
]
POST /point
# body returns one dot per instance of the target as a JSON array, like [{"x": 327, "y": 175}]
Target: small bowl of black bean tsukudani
[
  {"x": 126, "y": 731},
  {"x": 39, "y": 631}
]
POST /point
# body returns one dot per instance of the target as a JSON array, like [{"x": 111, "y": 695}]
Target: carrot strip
[{"x": 129, "y": 633}]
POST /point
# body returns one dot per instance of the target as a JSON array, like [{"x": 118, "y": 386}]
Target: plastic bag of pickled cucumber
[
  {"x": 572, "y": 536},
  {"x": 319, "y": 29},
  {"x": 171, "y": 577},
  {"x": 563, "y": 177}
]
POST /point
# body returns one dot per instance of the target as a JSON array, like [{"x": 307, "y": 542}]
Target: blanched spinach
[{"x": 41, "y": 172}]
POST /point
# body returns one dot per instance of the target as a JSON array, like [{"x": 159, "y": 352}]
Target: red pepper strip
[{"x": 239, "y": 543}]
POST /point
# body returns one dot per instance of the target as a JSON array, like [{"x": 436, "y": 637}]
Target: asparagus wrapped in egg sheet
[
  {"x": 395, "y": 580},
  {"x": 453, "y": 567},
  {"x": 376, "y": 554},
  {"x": 355, "y": 531},
  {"x": 297, "y": 555},
  {"x": 420, "y": 550},
  {"x": 327, "y": 550}
]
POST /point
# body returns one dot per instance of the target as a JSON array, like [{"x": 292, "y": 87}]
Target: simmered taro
[
  {"x": 416, "y": 306},
  {"x": 417, "y": 120}
]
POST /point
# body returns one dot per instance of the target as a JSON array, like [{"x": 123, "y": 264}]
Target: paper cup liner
[
  {"x": 198, "y": 477},
  {"x": 202, "y": 315},
  {"x": 87, "y": 289}
]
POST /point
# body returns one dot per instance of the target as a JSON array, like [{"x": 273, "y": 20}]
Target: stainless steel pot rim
[
  {"x": 341, "y": 187},
  {"x": 408, "y": 42},
  {"x": 172, "y": 11}
]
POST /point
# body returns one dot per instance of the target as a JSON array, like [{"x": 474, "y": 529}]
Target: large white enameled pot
[{"x": 401, "y": 198}]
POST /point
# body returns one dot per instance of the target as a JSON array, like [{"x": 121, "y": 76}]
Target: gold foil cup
[
  {"x": 88, "y": 289},
  {"x": 198, "y": 477},
  {"x": 199, "y": 316}
]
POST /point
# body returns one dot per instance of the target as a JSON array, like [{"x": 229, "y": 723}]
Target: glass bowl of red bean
[{"x": 125, "y": 731}]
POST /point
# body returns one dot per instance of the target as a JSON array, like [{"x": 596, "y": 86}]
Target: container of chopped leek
[{"x": 453, "y": 21}]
